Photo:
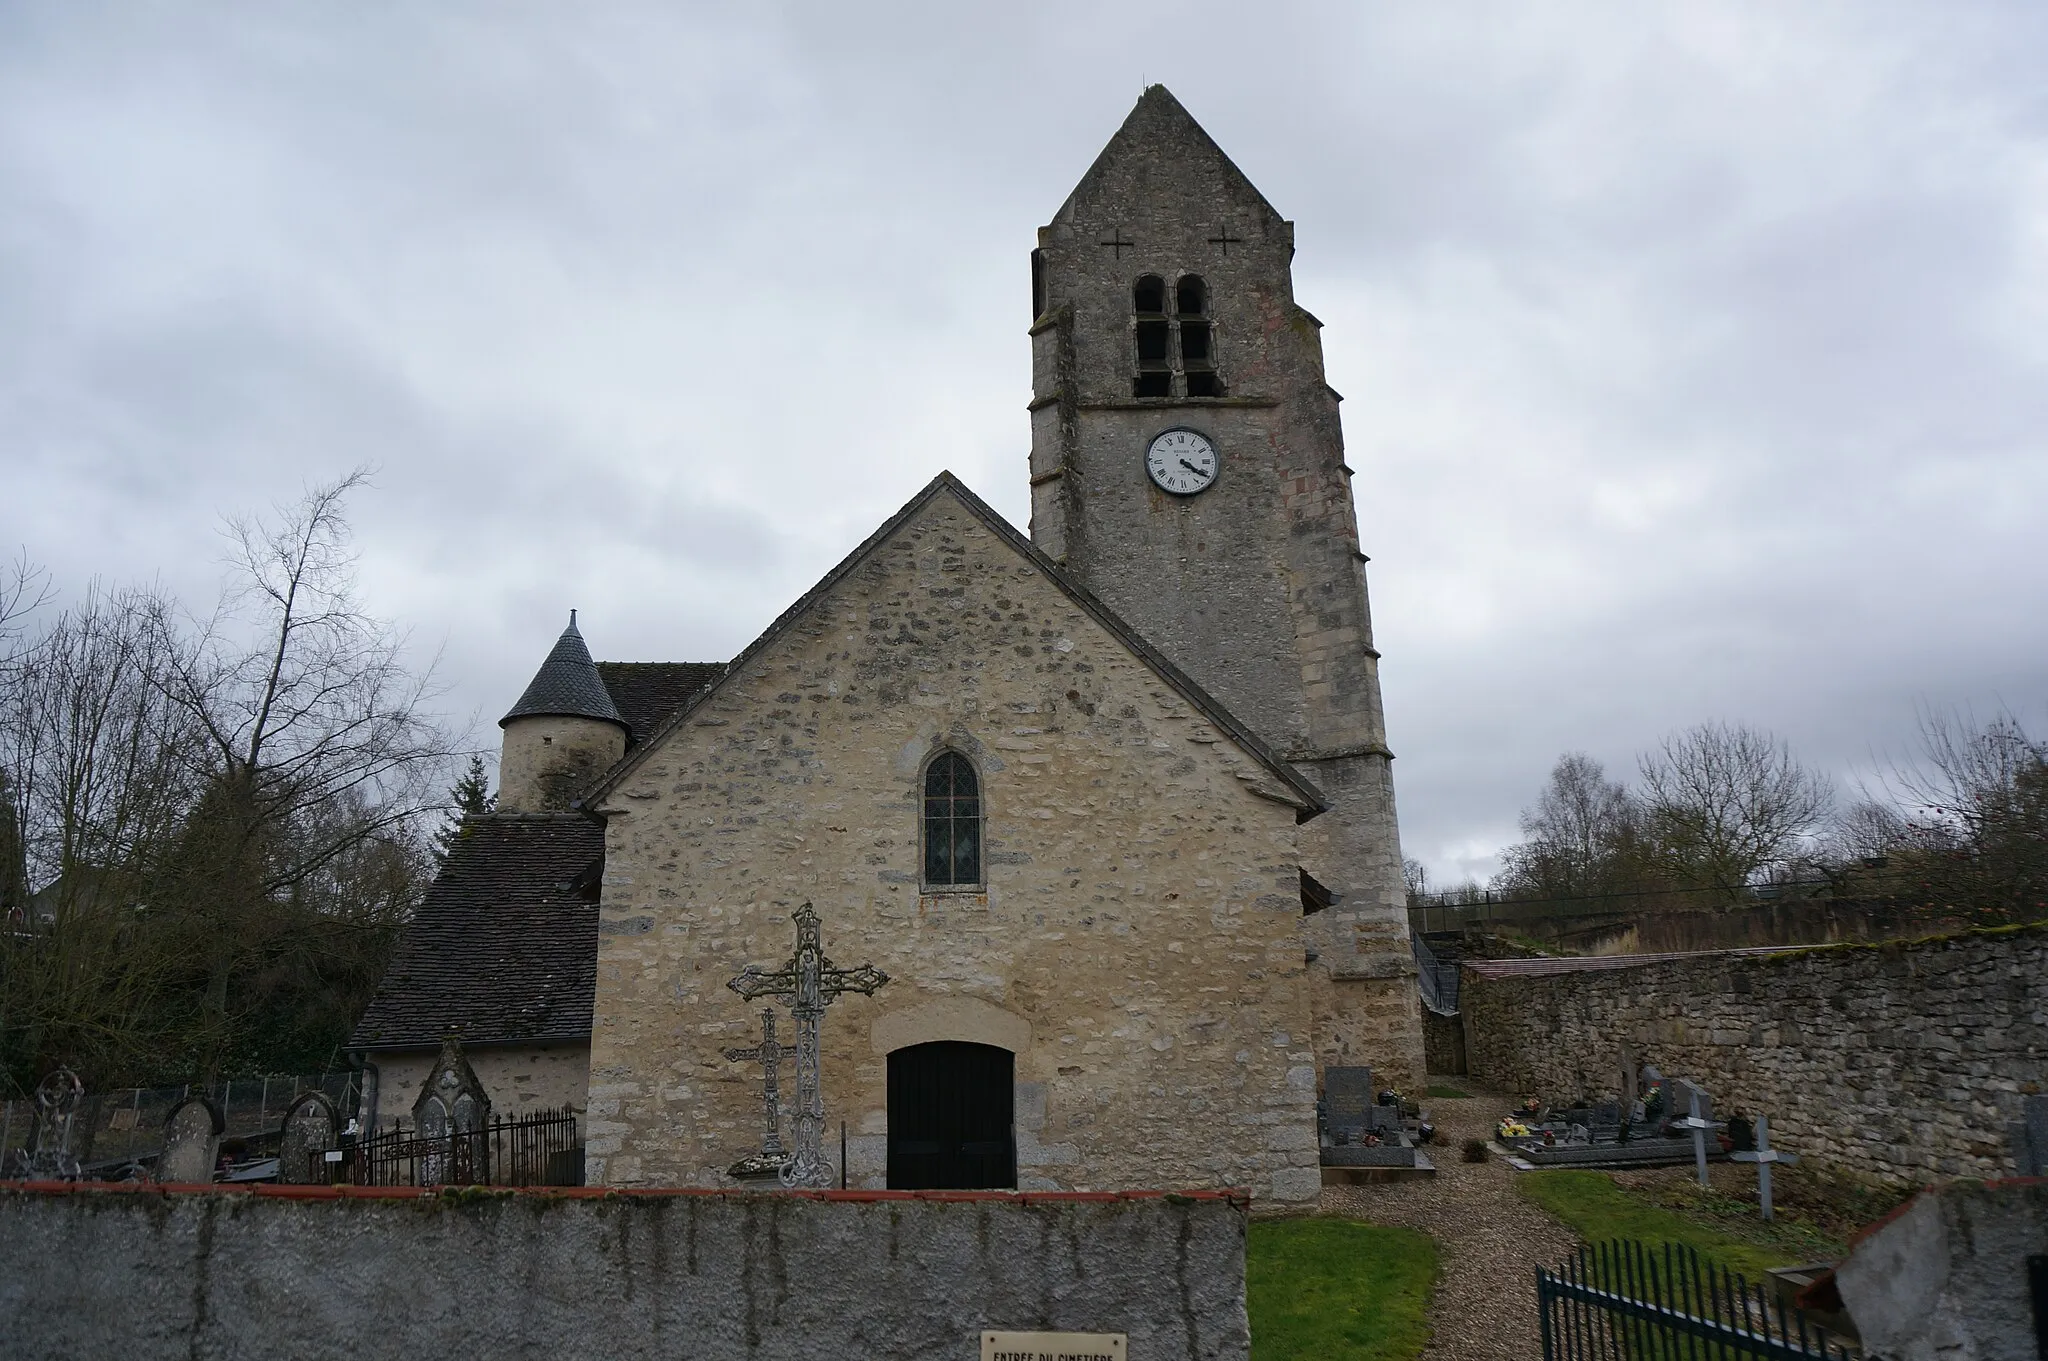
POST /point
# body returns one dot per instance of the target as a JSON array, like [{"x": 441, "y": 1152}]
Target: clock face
[{"x": 1182, "y": 462}]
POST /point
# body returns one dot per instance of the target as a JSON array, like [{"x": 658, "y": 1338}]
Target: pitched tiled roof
[
  {"x": 504, "y": 947},
  {"x": 646, "y": 693},
  {"x": 567, "y": 684}
]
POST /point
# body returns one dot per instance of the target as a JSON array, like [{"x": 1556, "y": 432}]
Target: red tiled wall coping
[{"x": 1235, "y": 1196}]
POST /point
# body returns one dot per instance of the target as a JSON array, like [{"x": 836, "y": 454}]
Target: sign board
[{"x": 1053, "y": 1346}]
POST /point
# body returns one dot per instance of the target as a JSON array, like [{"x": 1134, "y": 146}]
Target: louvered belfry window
[{"x": 952, "y": 822}]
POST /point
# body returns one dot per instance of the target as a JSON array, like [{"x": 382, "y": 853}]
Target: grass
[
  {"x": 1443, "y": 1093},
  {"x": 1721, "y": 1227},
  {"x": 1329, "y": 1288}
]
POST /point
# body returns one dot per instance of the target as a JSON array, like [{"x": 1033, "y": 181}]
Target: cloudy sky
[{"x": 1696, "y": 356}]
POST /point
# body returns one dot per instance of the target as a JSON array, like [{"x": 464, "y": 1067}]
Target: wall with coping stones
[
  {"x": 104, "y": 1272},
  {"x": 1907, "y": 1061}
]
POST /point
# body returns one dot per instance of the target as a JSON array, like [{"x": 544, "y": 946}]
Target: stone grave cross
[
  {"x": 1699, "y": 1125},
  {"x": 57, "y": 1098},
  {"x": 1763, "y": 1157},
  {"x": 807, "y": 983},
  {"x": 769, "y": 1053}
]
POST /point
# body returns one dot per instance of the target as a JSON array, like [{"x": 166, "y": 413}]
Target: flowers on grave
[{"x": 1512, "y": 1128}]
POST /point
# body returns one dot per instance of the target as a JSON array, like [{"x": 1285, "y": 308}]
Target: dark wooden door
[{"x": 950, "y": 1114}]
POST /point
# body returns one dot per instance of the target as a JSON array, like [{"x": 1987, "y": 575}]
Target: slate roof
[
  {"x": 567, "y": 685},
  {"x": 504, "y": 947},
  {"x": 646, "y": 693}
]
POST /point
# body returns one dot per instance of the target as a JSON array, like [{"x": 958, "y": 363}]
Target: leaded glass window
[{"x": 952, "y": 821}]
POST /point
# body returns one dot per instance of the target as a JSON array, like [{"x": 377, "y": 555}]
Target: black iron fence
[
  {"x": 542, "y": 1149},
  {"x": 1627, "y": 1301}
]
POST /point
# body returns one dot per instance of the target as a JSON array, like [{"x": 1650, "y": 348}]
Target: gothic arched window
[
  {"x": 1197, "y": 348},
  {"x": 952, "y": 822},
  {"x": 1154, "y": 333}
]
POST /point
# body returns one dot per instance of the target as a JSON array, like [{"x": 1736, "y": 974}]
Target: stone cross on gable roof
[{"x": 567, "y": 685}]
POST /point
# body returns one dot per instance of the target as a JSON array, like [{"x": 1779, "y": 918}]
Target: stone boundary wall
[
  {"x": 1907, "y": 1061},
  {"x": 317, "y": 1272}
]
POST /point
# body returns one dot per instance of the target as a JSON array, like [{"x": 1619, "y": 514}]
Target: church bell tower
[{"x": 1187, "y": 467}]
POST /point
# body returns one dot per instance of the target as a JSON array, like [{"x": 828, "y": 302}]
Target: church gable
[
  {"x": 928, "y": 617},
  {"x": 1126, "y": 927}
]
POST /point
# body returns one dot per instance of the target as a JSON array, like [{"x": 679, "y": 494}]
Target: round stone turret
[{"x": 562, "y": 735}]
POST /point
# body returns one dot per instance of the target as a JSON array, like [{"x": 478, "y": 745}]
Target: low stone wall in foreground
[
  {"x": 98, "y": 1272},
  {"x": 1908, "y": 1061}
]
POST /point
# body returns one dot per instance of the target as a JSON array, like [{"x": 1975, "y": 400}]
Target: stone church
[{"x": 1109, "y": 805}]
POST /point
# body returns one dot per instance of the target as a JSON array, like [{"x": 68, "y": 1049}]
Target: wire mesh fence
[
  {"x": 117, "y": 1129},
  {"x": 1628, "y": 1301}
]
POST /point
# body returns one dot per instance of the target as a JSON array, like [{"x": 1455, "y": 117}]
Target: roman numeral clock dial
[{"x": 1182, "y": 462}]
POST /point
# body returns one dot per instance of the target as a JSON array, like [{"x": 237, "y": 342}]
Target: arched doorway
[{"x": 951, "y": 1113}]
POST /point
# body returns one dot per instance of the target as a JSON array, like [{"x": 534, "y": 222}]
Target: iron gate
[{"x": 1626, "y": 1301}]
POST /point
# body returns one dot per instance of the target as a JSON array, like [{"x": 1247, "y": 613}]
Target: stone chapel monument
[{"x": 1187, "y": 466}]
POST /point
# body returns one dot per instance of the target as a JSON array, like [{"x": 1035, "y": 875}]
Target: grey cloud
[{"x": 1692, "y": 357}]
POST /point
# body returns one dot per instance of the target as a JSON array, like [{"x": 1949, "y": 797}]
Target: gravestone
[
  {"x": 1683, "y": 1091},
  {"x": 451, "y": 1114},
  {"x": 309, "y": 1132},
  {"x": 192, "y": 1133},
  {"x": 1349, "y": 1110}
]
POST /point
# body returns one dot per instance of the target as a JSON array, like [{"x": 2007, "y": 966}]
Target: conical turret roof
[{"x": 567, "y": 685}]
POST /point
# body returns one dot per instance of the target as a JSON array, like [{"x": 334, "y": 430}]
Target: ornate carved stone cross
[
  {"x": 769, "y": 1054},
  {"x": 807, "y": 983}
]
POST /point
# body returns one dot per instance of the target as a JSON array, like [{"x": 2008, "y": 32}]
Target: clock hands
[{"x": 1198, "y": 472}]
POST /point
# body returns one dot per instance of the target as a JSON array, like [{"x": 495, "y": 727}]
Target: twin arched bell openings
[
  {"x": 952, "y": 824},
  {"x": 1179, "y": 339}
]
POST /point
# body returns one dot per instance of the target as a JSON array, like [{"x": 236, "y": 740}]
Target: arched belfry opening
[
  {"x": 1154, "y": 335},
  {"x": 952, "y": 1117}
]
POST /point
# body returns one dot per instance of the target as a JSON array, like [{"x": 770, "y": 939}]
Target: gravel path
[{"x": 1491, "y": 1239}]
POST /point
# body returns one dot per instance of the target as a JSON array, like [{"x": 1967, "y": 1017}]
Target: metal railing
[
  {"x": 1438, "y": 981},
  {"x": 1631, "y": 1300},
  {"x": 537, "y": 1150}
]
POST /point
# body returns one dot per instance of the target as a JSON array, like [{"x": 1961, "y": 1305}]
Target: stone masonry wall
[
  {"x": 519, "y": 1078},
  {"x": 1906, "y": 1061},
  {"x": 1137, "y": 945},
  {"x": 360, "y": 1275},
  {"x": 547, "y": 760}
]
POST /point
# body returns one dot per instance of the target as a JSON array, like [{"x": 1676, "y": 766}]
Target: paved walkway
[{"x": 1491, "y": 1239}]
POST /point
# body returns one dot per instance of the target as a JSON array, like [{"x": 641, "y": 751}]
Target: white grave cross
[
  {"x": 1699, "y": 1128},
  {"x": 1763, "y": 1157}
]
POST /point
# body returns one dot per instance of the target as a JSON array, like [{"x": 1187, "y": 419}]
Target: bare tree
[
  {"x": 1976, "y": 815},
  {"x": 224, "y": 820},
  {"x": 1866, "y": 830},
  {"x": 1725, "y": 803},
  {"x": 94, "y": 768},
  {"x": 315, "y": 733},
  {"x": 1581, "y": 836}
]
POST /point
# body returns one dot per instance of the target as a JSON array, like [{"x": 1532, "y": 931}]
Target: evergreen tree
[{"x": 471, "y": 797}]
